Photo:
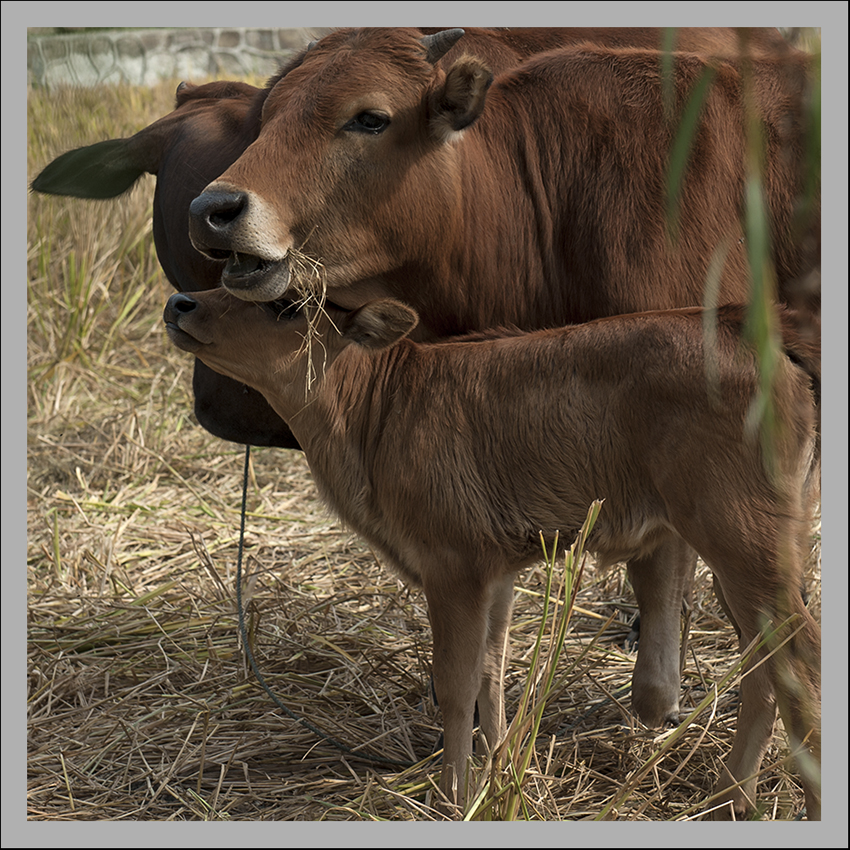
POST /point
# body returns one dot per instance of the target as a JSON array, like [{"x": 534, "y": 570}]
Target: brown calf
[{"x": 451, "y": 459}]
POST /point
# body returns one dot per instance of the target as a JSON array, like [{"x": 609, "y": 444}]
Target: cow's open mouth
[
  {"x": 253, "y": 278},
  {"x": 241, "y": 265}
]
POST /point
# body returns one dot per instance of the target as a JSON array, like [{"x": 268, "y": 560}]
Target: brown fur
[
  {"x": 452, "y": 458},
  {"x": 214, "y": 124}
]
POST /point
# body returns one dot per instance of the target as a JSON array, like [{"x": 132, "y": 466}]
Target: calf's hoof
[{"x": 730, "y": 803}]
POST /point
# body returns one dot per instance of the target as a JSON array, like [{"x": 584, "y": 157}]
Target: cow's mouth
[
  {"x": 241, "y": 265},
  {"x": 253, "y": 278}
]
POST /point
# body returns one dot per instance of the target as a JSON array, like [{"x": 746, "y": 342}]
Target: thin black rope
[{"x": 243, "y": 631}]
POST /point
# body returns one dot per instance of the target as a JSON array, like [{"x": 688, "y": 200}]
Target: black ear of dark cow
[{"x": 104, "y": 170}]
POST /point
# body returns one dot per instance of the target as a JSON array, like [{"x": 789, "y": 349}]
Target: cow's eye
[{"x": 368, "y": 122}]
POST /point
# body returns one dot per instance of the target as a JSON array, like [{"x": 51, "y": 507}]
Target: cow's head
[
  {"x": 355, "y": 148},
  {"x": 282, "y": 350}
]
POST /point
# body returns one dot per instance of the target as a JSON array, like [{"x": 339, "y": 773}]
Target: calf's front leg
[
  {"x": 459, "y": 624},
  {"x": 491, "y": 695}
]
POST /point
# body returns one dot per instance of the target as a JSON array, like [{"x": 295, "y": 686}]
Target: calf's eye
[{"x": 282, "y": 308}]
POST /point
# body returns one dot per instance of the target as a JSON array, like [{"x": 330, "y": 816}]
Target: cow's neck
[{"x": 502, "y": 262}]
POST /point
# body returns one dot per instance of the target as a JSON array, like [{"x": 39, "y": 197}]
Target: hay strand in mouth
[
  {"x": 308, "y": 285},
  {"x": 307, "y": 278}
]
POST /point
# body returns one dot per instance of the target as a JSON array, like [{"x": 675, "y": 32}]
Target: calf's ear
[
  {"x": 379, "y": 324},
  {"x": 459, "y": 101}
]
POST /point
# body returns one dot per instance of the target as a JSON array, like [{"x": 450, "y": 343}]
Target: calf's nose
[
  {"x": 178, "y": 304},
  {"x": 213, "y": 217}
]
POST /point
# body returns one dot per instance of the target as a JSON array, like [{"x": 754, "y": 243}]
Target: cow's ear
[
  {"x": 107, "y": 169},
  {"x": 379, "y": 324},
  {"x": 103, "y": 170},
  {"x": 459, "y": 101},
  {"x": 183, "y": 93}
]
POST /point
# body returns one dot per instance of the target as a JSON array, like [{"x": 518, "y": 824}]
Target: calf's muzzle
[
  {"x": 177, "y": 305},
  {"x": 180, "y": 322}
]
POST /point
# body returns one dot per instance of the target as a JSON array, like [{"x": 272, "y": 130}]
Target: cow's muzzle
[
  {"x": 215, "y": 219},
  {"x": 232, "y": 226}
]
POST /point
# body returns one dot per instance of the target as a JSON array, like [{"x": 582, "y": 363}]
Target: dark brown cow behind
[
  {"x": 207, "y": 131},
  {"x": 628, "y": 418}
]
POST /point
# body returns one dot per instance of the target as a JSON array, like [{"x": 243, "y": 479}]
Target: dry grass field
[{"x": 140, "y": 702}]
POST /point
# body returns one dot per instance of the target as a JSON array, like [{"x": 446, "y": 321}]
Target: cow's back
[{"x": 590, "y": 126}]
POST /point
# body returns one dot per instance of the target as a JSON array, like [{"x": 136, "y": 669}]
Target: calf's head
[
  {"x": 354, "y": 152},
  {"x": 278, "y": 348}
]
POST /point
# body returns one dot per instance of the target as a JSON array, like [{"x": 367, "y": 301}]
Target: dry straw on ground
[{"x": 140, "y": 703}]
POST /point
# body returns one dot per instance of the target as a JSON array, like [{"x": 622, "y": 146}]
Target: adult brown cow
[
  {"x": 544, "y": 208},
  {"x": 213, "y": 124},
  {"x": 392, "y": 173}
]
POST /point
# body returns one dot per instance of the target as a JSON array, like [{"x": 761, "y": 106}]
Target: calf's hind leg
[{"x": 760, "y": 585}]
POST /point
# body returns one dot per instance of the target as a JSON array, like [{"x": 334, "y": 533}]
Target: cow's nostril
[
  {"x": 225, "y": 215},
  {"x": 217, "y": 210}
]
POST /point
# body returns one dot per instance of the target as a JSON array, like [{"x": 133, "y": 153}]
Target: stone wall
[{"x": 143, "y": 57}]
